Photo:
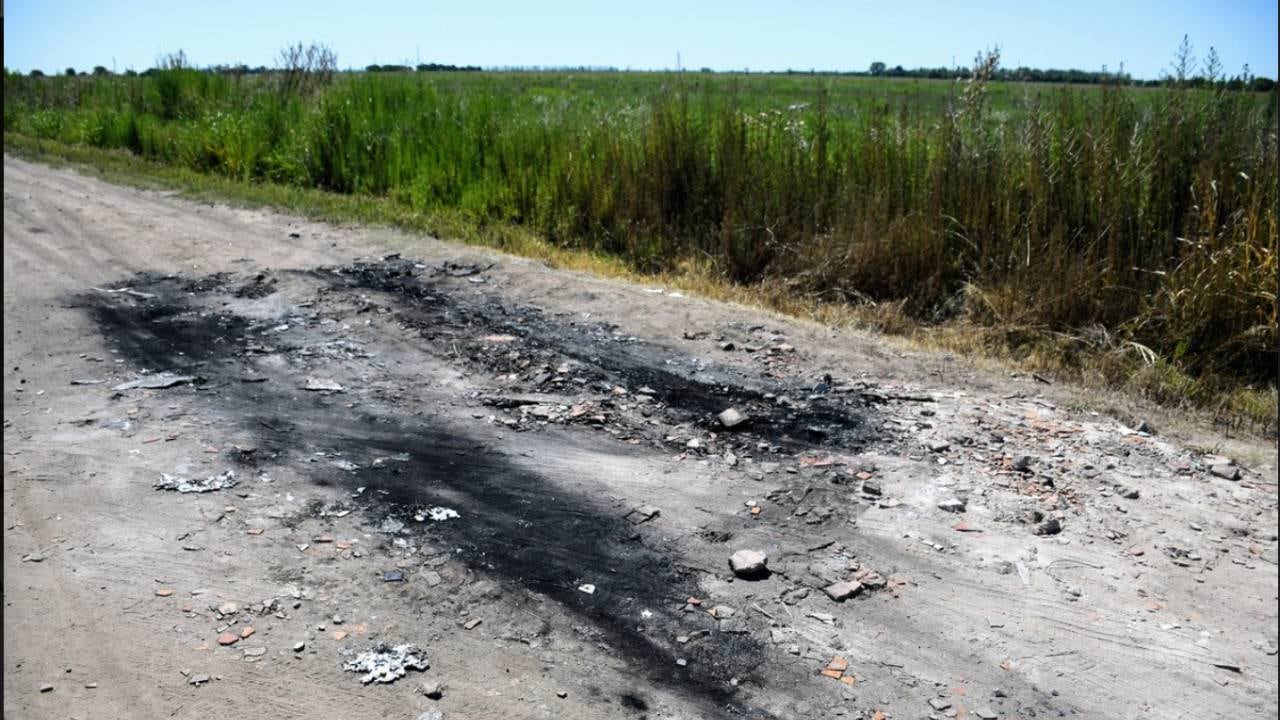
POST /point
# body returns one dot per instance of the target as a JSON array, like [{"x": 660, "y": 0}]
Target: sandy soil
[{"x": 571, "y": 424}]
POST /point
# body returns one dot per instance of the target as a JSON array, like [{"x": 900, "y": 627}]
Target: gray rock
[
  {"x": 1049, "y": 527},
  {"x": 749, "y": 564},
  {"x": 198, "y": 679},
  {"x": 432, "y": 689},
  {"x": 431, "y": 715},
  {"x": 1227, "y": 471},
  {"x": 871, "y": 487},
  {"x": 938, "y": 446},
  {"x": 842, "y": 591},
  {"x": 732, "y": 418},
  {"x": 954, "y": 505},
  {"x": 1128, "y": 493},
  {"x": 644, "y": 513},
  {"x": 1023, "y": 463},
  {"x": 939, "y": 704}
]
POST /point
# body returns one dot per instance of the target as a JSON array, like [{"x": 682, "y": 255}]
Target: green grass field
[{"x": 1128, "y": 234}]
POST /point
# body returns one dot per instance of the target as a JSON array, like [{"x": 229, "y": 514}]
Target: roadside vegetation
[{"x": 1122, "y": 235}]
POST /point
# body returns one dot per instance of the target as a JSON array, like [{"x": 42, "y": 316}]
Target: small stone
[
  {"x": 954, "y": 505},
  {"x": 938, "y": 446},
  {"x": 749, "y": 564},
  {"x": 732, "y": 418},
  {"x": 246, "y": 632},
  {"x": 299, "y": 646},
  {"x": 432, "y": 577},
  {"x": 471, "y": 624},
  {"x": 1049, "y": 527},
  {"x": 1128, "y": 493},
  {"x": 842, "y": 591},
  {"x": 339, "y": 635},
  {"x": 91, "y": 686},
  {"x": 228, "y": 608},
  {"x": 46, "y": 688},
  {"x": 562, "y": 694},
  {"x": 393, "y": 576},
  {"x": 255, "y": 652},
  {"x": 163, "y": 592},
  {"x": 198, "y": 680},
  {"x": 644, "y": 513},
  {"x": 1223, "y": 470},
  {"x": 337, "y": 619},
  {"x": 987, "y": 713},
  {"x": 1022, "y": 463},
  {"x": 431, "y": 715},
  {"x": 939, "y": 704},
  {"x": 228, "y": 638},
  {"x": 432, "y": 689},
  {"x": 727, "y": 346},
  {"x": 871, "y": 487}
]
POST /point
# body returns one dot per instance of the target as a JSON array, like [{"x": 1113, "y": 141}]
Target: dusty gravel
[{"x": 521, "y": 472}]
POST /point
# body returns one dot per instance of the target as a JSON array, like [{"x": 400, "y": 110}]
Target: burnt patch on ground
[
  {"x": 515, "y": 524},
  {"x": 163, "y": 332},
  {"x": 536, "y": 353}
]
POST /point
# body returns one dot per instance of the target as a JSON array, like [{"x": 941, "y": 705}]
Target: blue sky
[{"x": 773, "y": 35}]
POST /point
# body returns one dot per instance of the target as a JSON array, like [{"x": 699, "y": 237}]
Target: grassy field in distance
[{"x": 1124, "y": 235}]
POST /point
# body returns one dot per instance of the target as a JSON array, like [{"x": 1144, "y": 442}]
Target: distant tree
[
  {"x": 130, "y": 73},
  {"x": 36, "y": 73},
  {"x": 1262, "y": 84},
  {"x": 705, "y": 70},
  {"x": 100, "y": 70},
  {"x": 70, "y": 72},
  {"x": 877, "y": 68}
]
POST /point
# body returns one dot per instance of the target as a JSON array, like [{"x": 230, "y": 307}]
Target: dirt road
[{"x": 522, "y": 472}]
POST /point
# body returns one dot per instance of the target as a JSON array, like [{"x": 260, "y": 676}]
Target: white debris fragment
[
  {"x": 158, "y": 381},
  {"x": 384, "y": 663},
  {"x": 588, "y": 588},
  {"x": 437, "y": 514},
  {"x": 196, "y": 485},
  {"x": 390, "y": 526},
  {"x": 322, "y": 385}
]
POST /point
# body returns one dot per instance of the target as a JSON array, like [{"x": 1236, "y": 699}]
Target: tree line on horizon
[{"x": 1210, "y": 76}]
